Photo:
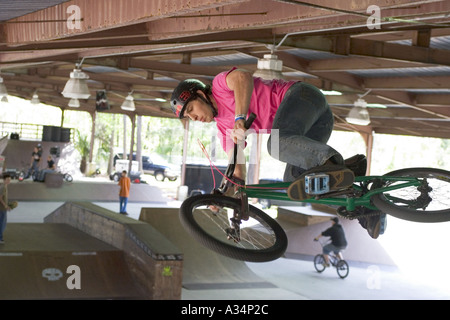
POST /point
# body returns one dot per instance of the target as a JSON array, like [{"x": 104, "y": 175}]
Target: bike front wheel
[
  {"x": 260, "y": 239},
  {"x": 429, "y": 202},
  {"x": 342, "y": 269},
  {"x": 319, "y": 263}
]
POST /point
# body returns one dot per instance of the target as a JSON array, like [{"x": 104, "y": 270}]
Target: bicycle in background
[{"x": 339, "y": 263}]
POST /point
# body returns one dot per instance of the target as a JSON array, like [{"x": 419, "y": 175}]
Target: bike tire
[
  {"x": 342, "y": 269},
  {"x": 439, "y": 211},
  {"x": 319, "y": 261},
  {"x": 192, "y": 220}
]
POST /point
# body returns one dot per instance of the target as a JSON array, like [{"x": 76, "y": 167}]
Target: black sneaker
[
  {"x": 358, "y": 164},
  {"x": 340, "y": 178},
  {"x": 375, "y": 225}
]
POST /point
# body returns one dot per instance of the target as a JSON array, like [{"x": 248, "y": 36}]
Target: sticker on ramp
[{"x": 52, "y": 274}]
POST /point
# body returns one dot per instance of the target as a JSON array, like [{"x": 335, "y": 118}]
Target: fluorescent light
[
  {"x": 3, "y": 91},
  {"x": 358, "y": 114},
  {"x": 76, "y": 87},
  {"x": 74, "y": 103},
  {"x": 128, "y": 103},
  {"x": 35, "y": 99},
  {"x": 331, "y": 92},
  {"x": 269, "y": 68}
]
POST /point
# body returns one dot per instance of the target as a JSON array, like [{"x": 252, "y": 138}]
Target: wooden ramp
[
  {"x": 202, "y": 268},
  {"x": 84, "y": 251},
  {"x": 37, "y": 262}
]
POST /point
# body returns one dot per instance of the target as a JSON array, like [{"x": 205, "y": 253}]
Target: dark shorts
[{"x": 332, "y": 248}]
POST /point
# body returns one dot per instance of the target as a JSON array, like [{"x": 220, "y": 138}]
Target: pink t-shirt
[{"x": 266, "y": 98}]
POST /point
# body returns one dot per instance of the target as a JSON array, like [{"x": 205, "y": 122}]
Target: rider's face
[{"x": 199, "y": 110}]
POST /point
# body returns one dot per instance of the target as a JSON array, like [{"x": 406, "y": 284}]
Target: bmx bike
[
  {"x": 341, "y": 265},
  {"x": 234, "y": 228}
]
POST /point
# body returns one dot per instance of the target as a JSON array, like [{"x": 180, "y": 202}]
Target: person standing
[
  {"x": 35, "y": 162},
  {"x": 5, "y": 206},
  {"x": 124, "y": 192}
]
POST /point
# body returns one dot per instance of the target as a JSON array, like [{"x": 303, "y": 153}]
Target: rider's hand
[{"x": 239, "y": 132}]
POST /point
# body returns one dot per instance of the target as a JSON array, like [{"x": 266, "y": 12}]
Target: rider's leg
[
  {"x": 326, "y": 257},
  {"x": 304, "y": 123},
  {"x": 326, "y": 250}
]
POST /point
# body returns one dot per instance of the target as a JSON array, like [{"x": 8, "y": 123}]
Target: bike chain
[{"x": 355, "y": 214}]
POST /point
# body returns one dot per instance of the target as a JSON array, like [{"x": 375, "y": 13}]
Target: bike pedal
[{"x": 317, "y": 183}]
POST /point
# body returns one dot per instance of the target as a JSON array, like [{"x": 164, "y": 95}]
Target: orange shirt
[{"x": 124, "y": 184}]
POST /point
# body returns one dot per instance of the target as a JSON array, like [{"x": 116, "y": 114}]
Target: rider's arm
[
  {"x": 317, "y": 238},
  {"x": 241, "y": 83}
]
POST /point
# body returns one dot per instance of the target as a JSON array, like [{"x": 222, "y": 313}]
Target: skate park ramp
[
  {"x": 36, "y": 263},
  {"x": 117, "y": 257},
  {"x": 203, "y": 269}
]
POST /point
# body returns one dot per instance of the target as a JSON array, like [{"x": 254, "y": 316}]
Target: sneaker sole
[{"x": 339, "y": 179}]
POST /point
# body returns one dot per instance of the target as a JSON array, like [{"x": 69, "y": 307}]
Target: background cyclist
[{"x": 338, "y": 241}]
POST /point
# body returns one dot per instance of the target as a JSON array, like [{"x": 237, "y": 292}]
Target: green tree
[{"x": 82, "y": 144}]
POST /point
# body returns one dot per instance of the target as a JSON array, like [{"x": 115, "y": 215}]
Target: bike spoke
[
  {"x": 251, "y": 234},
  {"x": 436, "y": 197}
]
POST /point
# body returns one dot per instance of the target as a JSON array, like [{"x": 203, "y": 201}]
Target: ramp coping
[{"x": 145, "y": 236}]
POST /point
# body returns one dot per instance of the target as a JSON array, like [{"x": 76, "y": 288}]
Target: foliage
[{"x": 82, "y": 145}]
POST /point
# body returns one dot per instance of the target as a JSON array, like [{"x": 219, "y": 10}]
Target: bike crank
[{"x": 359, "y": 212}]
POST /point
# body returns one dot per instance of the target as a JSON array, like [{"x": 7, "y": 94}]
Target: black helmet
[{"x": 183, "y": 93}]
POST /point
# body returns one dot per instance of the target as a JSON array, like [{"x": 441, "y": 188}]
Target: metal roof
[
  {"x": 148, "y": 46},
  {"x": 10, "y": 9}
]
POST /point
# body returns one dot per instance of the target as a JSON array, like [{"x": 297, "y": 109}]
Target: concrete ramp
[
  {"x": 57, "y": 261},
  {"x": 202, "y": 268}
]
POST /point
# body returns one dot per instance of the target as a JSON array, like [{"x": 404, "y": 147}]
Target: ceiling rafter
[{"x": 143, "y": 48}]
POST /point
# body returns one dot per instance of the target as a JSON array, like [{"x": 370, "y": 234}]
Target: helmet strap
[{"x": 208, "y": 101}]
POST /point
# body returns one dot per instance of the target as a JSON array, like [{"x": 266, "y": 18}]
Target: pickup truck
[
  {"x": 121, "y": 165},
  {"x": 156, "y": 166}
]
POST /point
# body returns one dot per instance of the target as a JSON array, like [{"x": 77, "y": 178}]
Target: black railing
[{"x": 35, "y": 132}]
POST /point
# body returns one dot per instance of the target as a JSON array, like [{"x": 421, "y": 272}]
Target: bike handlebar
[{"x": 232, "y": 164}]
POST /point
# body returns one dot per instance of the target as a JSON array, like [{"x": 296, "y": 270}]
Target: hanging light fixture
[
  {"x": 358, "y": 114},
  {"x": 3, "y": 91},
  {"x": 74, "y": 103},
  {"x": 76, "y": 87},
  {"x": 269, "y": 67},
  {"x": 35, "y": 99},
  {"x": 128, "y": 103}
]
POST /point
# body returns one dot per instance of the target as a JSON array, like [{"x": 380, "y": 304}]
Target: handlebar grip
[{"x": 250, "y": 120}]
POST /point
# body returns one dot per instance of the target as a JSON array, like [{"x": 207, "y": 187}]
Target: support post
[{"x": 133, "y": 126}]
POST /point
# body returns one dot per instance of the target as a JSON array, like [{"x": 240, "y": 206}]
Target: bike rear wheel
[
  {"x": 342, "y": 269},
  {"x": 427, "y": 203},
  {"x": 261, "y": 238},
  {"x": 319, "y": 263}
]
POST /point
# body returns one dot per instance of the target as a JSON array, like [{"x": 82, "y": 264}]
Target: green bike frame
[{"x": 277, "y": 191}]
